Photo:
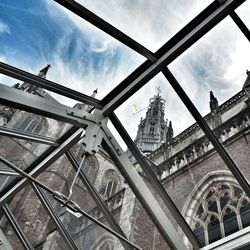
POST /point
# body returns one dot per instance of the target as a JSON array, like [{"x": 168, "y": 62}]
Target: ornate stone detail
[{"x": 202, "y": 146}]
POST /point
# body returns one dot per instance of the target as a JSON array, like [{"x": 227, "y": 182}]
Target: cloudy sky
[{"x": 34, "y": 33}]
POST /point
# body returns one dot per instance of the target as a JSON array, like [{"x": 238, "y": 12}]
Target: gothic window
[
  {"x": 104, "y": 242},
  {"x": 91, "y": 167},
  {"x": 110, "y": 183},
  {"x": 31, "y": 125},
  {"x": 223, "y": 209},
  {"x": 4, "y": 177}
]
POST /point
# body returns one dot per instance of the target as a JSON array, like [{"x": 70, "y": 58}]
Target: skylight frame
[{"x": 155, "y": 63}]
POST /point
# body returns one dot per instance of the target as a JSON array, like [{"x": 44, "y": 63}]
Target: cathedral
[{"x": 197, "y": 180}]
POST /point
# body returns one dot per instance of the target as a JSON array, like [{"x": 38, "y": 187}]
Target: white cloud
[
  {"x": 217, "y": 62},
  {"x": 4, "y": 28}
]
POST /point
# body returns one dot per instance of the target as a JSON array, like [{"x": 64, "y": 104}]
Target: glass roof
[
  {"x": 151, "y": 23},
  {"x": 117, "y": 56}
]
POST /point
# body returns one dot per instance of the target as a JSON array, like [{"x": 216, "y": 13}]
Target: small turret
[
  {"x": 246, "y": 85},
  {"x": 83, "y": 106},
  {"x": 170, "y": 133},
  {"x": 43, "y": 72},
  {"x": 213, "y": 102},
  {"x": 94, "y": 93},
  {"x": 215, "y": 115},
  {"x": 32, "y": 88}
]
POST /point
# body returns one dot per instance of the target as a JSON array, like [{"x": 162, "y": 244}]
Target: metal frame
[
  {"x": 18, "y": 230},
  {"x": 54, "y": 216},
  {"x": 155, "y": 63},
  {"x": 23, "y": 135},
  {"x": 96, "y": 196}
]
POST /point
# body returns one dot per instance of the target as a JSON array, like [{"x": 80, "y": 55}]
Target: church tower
[{"x": 153, "y": 130}]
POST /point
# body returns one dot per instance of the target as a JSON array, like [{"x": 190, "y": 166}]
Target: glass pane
[
  {"x": 199, "y": 233},
  {"x": 136, "y": 114},
  {"x": 230, "y": 222},
  {"x": 214, "y": 232},
  {"x": 82, "y": 57},
  {"x": 154, "y": 22},
  {"x": 216, "y": 63},
  {"x": 245, "y": 213},
  {"x": 190, "y": 170},
  {"x": 243, "y": 12},
  {"x": 9, "y": 239}
]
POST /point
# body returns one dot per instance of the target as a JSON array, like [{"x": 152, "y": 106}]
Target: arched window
[
  {"x": 5, "y": 171},
  {"x": 32, "y": 125},
  {"x": 104, "y": 242},
  {"x": 221, "y": 208},
  {"x": 91, "y": 167},
  {"x": 110, "y": 183}
]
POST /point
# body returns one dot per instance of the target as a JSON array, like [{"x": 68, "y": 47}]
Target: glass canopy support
[
  {"x": 23, "y": 135},
  {"x": 208, "y": 132},
  {"x": 106, "y": 27},
  {"x": 42, "y": 165},
  {"x": 65, "y": 202},
  {"x": 155, "y": 181},
  {"x": 22, "y": 75},
  {"x": 240, "y": 24},
  {"x": 96, "y": 196},
  {"x": 170, "y": 51},
  {"x": 18, "y": 230},
  {"x": 54, "y": 216}
]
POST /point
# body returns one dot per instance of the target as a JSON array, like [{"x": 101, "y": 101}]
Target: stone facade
[{"x": 187, "y": 165}]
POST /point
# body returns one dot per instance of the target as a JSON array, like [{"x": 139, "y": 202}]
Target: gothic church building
[{"x": 191, "y": 171}]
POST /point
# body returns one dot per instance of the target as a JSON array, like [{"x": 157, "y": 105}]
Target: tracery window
[
  {"x": 31, "y": 125},
  {"x": 110, "y": 183},
  {"x": 223, "y": 209},
  {"x": 91, "y": 167}
]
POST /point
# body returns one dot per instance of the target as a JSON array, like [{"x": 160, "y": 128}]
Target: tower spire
[
  {"x": 25, "y": 86},
  {"x": 43, "y": 72},
  {"x": 152, "y": 130},
  {"x": 246, "y": 85},
  {"x": 215, "y": 115},
  {"x": 94, "y": 93},
  {"x": 213, "y": 102}
]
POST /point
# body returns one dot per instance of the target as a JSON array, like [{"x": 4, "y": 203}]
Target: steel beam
[
  {"x": 46, "y": 84},
  {"x": 39, "y": 105},
  {"x": 240, "y": 24},
  {"x": 155, "y": 181},
  {"x": 40, "y": 159},
  {"x": 54, "y": 216},
  {"x": 9, "y": 173},
  {"x": 195, "y": 31},
  {"x": 42, "y": 166},
  {"x": 96, "y": 197},
  {"x": 23, "y": 135},
  {"x": 208, "y": 132},
  {"x": 75, "y": 208},
  {"x": 106, "y": 27},
  {"x": 142, "y": 192},
  {"x": 18, "y": 230},
  {"x": 64, "y": 200}
]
